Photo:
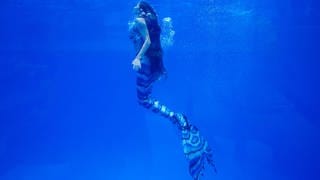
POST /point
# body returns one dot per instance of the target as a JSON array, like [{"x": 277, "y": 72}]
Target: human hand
[{"x": 136, "y": 64}]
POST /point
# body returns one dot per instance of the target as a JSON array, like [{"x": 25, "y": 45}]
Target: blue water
[{"x": 245, "y": 72}]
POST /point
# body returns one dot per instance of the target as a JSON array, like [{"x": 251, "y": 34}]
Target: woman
[{"x": 145, "y": 35}]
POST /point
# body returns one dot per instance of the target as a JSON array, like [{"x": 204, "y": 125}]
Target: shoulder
[
  {"x": 141, "y": 24},
  {"x": 140, "y": 20}
]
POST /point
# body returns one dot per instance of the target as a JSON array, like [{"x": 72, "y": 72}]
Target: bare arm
[
  {"x": 143, "y": 29},
  {"x": 145, "y": 33}
]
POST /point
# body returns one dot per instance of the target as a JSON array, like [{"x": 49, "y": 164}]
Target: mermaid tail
[{"x": 196, "y": 149}]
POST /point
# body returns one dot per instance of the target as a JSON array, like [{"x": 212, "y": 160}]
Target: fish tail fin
[{"x": 195, "y": 147}]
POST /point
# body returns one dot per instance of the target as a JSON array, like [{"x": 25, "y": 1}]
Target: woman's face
[{"x": 137, "y": 10}]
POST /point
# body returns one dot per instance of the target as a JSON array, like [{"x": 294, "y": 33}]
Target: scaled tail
[{"x": 196, "y": 149}]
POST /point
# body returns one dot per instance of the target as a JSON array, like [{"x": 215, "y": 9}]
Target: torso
[
  {"x": 152, "y": 60},
  {"x": 137, "y": 40}
]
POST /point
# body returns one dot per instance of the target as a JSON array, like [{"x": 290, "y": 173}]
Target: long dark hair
[
  {"x": 155, "y": 52},
  {"x": 147, "y": 8},
  {"x": 150, "y": 16}
]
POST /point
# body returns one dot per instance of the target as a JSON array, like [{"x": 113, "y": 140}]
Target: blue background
[{"x": 245, "y": 72}]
